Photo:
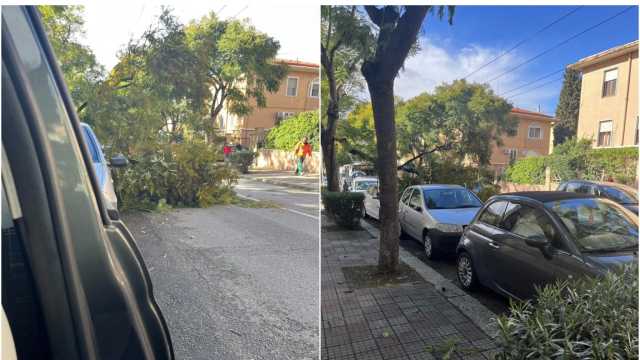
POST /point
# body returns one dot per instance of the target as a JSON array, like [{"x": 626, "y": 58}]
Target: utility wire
[
  {"x": 532, "y": 82},
  {"x": 562, "y": 43},
  {"x": 239, "y": 12},
  {"x": 534, "y": 88},
  {"x": 521, "y": 42}
]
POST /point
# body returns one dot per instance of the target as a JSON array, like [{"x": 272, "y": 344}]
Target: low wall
[
  {"x": 284, "y": 160},
  {"x": 507, "y": 187}
]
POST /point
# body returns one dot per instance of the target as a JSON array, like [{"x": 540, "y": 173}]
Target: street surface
[
  {"x": 447, "y": 268},
  {"x": 235, "y": 282}
]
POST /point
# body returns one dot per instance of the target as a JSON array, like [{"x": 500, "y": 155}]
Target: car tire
[
  {"x": 431, "y": 250},
  {"x": 466, "y": 272}
]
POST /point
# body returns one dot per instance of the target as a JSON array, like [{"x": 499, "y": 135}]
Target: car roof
[
  {"x": 604, "y": 183},
  {"x": 438, "y": 186},
  {"x": 545, "y": 196}
]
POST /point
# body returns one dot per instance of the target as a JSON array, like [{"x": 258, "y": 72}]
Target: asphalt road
[
  {"x": 447, "y": 268},
  {"x": 234, "y": 282}
]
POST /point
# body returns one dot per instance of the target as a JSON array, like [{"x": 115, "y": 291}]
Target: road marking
[{"x": 284, "y": 208}]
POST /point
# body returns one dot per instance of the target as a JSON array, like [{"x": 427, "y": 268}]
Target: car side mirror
[
  {"x": 113, "y": 214},
  {"x": 537, "y": 241},
  {"x": 119, "y": 161},
  {"x": 418, "y": 209}
]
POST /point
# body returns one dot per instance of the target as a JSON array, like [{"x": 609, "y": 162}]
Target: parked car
[
  {"x": 346, "y": 173},
  {"x": 436, "y": 215},
  {"x": 362, "y": 183},
  {"x": 372, "y": 202},
  {"x": 622, "y": 194},
  {"x": 74, "y": 284},
  {"x": 522, "y": 240},
  {"x": 100, "y": 165}
]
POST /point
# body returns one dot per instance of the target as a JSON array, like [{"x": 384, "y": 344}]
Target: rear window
[{"x": 492, "y": 214}]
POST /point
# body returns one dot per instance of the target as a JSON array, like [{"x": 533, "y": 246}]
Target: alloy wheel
[
  {"x": 465, "y": 271},
  {"x": 428, "y": 246}
]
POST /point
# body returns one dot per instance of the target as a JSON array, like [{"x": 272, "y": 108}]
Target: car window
[
  {"x": 585, "y": 188},
  {"x": 415, "y": 202},
  {"x": 91, "y": 144},
  {"x": 597, "y": 224},
  {"x": 572, "y": 187},
  {"x": 364, "y": 184},
  {"x": 405, "y": 196},
  {"x": 528, "y": 222},
  {"x": 450, "y": 199},
  {"x": 619, "y": 196},
  {"x": 492, "y": 214},
  {"x": 372, "y": 190},
  {"x": 562, "y": 187}
]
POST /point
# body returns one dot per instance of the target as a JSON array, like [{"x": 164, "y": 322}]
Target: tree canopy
[{"x": 568, "y": 107}]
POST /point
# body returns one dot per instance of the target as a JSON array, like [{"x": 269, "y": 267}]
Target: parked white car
[
  {"x": 362, "y": 183},
  {"x": 371, "y": 202},
  {"x": 436, "y": 215}
]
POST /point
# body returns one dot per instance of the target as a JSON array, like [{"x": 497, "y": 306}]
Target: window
[
  {"x": 314, "y": 90},
  {"x": 405, "y": 196},
  {"x": 513, "y": 155},
  {"x": 535, "y": 132},
  {"x": 415, "y": 202},
  {"x": 527, "y": 222},
  {"x": 292, "y": 86},
  {"x": 609, "y": 84},
  {"x": 493, "y": 213},
  {"x": 604, "y": 133},
  {"x": 637, "y": 125},
  {"x": 450, "y": 199}
]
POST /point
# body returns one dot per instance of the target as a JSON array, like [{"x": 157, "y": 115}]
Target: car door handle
[{"x": 494, "y": 245}]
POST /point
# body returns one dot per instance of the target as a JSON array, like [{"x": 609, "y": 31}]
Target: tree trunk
[
  {"x": 329, "y": 156},
  {"x": 382, "y": 102}
]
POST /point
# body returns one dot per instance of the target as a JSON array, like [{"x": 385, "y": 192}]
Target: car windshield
[
  {"x": 620, "y": 195},
  {"x": 597, "y": 224},
  {"x": 365, "y": 184},
  {"x": 450, "y": 199}
]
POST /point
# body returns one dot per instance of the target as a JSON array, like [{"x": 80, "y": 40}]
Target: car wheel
[
  {"x": 430, "y": 249},
  {"x": 466, "y": 273}
]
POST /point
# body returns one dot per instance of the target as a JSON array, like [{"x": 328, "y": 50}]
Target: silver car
[
  {"x": 372, "y": 202},
  {"x": 436, "y": 215},
  {"x": 362, "y": 183}
]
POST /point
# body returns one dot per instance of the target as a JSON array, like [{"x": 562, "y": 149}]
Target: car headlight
[{"x": 449, "y": 228}]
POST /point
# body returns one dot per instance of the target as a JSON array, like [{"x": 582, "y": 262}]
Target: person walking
[
  {"x": 301, "y": 151},
  {"x": 227, "y": 150}
]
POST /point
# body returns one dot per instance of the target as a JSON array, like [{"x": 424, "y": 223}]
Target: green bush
[
  {"x": 487, "y": 191},
  {"x": 574, "y": 159},
  {"x": 242, "y": 160},
  {"x": 176, "y": 175},
  {"x": 286, "y": 135},
  {"x": 591, "y": 318},
  {"x": 529, "y": 170},
  {"x": 345, "y": 208}
]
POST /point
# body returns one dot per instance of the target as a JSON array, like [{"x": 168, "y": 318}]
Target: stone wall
[{"x": 285, "y": 160}]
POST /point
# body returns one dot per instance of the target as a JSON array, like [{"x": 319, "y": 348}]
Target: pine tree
[{"x": 568, "y": 107}]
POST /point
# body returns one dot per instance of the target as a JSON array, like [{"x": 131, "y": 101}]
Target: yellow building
[
  {"x": 298, "y": 92},
  {"x": 609, "y": 97},
  {"x": 533, "y": 138}
]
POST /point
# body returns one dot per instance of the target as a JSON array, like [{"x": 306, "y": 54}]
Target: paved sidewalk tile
[{"x": 404, "y": 321}]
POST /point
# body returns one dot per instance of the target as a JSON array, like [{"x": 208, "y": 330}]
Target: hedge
[
  {"x": 290, "y": 131},
  {"x": 345, "y": 208},
  {"x": 575, "y": 159},
  {"x": 590, "y": 318}
]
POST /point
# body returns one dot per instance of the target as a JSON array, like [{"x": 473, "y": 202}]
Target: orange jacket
[{"x": 302, "y": 149}]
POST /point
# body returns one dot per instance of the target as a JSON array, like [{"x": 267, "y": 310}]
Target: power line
[
  {"x": 525, "y": 40},
  {"x": 532, "y": 82},
  {"x": 239, "y": 12},
  {"x": 561, "y": 43},
  {"x": 534, "y": 88}
]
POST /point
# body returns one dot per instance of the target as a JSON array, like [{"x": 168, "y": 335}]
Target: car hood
[
  {"x": 612, "y": 261},
  {"x": 454, "y": 216}
]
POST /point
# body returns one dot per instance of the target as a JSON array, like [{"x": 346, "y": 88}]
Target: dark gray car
[{"x": 521, "y": 240}]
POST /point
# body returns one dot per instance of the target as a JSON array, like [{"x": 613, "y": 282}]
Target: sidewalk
[
  {"x": 309, "y": 182},
  {"x": 407, "y": 320}
]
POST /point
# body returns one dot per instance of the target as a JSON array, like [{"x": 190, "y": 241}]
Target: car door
[
  {"x": 535, "y": 266},
  {"x": 402, "y": 207},
  {"x": 95, "y": 297},
  {"x": 414, "y": 215},
  {"x": 371, "y": 202},
  {"x": 482, "y": 234}
]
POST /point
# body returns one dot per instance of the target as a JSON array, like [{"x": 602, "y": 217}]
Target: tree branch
[{"x": 446, "y": 146}]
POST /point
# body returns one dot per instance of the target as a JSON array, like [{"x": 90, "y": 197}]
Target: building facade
[
  {"x": 299, "y": 91},
  {"x": 534, "y": 137},
  {"x": 609, "y": 97}
]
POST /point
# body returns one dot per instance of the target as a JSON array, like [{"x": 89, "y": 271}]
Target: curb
[
  {"x": 480, "y": 315},
  {"x": 283, "y": 183}
]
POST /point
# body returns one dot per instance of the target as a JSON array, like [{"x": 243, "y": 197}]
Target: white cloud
[
  {"x": 295, "y": 25},
  {"x": 434, "y": 65}
]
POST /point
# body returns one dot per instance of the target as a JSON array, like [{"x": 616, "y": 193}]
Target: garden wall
[
  {"x": 284, "y": 160},
  {"x": 507, "y": 187}
]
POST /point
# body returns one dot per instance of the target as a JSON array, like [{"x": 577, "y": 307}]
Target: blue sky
[{"x": 479, "y": 33}]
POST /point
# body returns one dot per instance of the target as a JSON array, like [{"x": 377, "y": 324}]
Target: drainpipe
[{"x": 626, "y": 101}]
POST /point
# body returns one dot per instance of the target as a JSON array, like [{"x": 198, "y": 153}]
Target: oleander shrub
[
  {"x": 345, "y": 208},
  {"x": 188, "y": 174},
  {"x": 589, "y": 318},
  {"x": 242, "y": 160}
]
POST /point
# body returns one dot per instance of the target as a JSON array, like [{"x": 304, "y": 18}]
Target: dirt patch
[
  {"x": 369, "y": 276},
  {"x": 253, "y": 204}
]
